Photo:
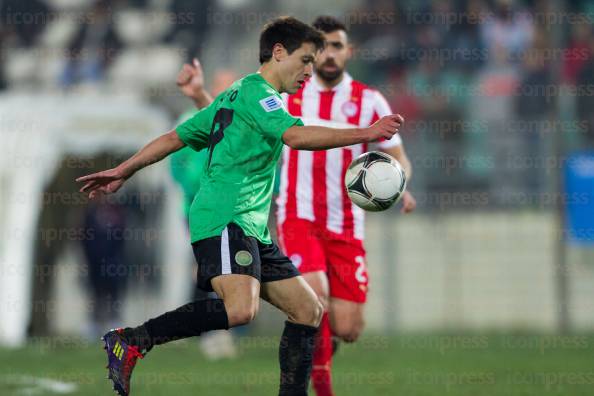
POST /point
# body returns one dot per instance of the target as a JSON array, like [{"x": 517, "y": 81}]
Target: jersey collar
[{"x": 346, "y": 81}]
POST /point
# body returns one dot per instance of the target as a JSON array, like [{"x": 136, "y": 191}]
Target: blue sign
[{"x": 579, "y": 194}]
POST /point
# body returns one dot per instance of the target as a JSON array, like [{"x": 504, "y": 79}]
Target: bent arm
[
  {"x": 202, "y": 99},
  {"x": 409, "y": 203},
  {"x": 322, "y": 138},
  {"x": 154, "y": 151},
  {"x": 399, "y": 153},
  {"x": 190, "y": 81}
]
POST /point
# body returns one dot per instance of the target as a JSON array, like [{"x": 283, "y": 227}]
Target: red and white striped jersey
[{"x": 312, "y": 182}]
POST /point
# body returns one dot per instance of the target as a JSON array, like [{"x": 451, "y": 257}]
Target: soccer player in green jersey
[
  {"x": 187, "y": 166},
  {"x": 244, "y": 130}
]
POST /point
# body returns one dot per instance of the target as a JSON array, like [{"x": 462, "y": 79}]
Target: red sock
[{"x": 321, "y": 375}]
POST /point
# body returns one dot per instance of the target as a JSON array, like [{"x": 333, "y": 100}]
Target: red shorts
[{"x": 313, "y": 248}]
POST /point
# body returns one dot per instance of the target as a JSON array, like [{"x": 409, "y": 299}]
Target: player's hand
[
  {"x": 385, "y": 127},
  {"x": 409, "y": 203},
  {"x": 190, "y": 79},
  {"x": 105, "y": 182}
]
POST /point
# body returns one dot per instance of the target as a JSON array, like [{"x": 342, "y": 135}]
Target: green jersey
[{"x": 242, "y": 129}]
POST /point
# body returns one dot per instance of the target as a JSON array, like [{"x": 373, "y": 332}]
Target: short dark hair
[
  {"x": 328, "y": 24},
  {"x": 291, "y": 33}
]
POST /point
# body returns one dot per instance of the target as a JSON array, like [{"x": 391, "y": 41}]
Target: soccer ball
[{"x": 375, "y": 181}]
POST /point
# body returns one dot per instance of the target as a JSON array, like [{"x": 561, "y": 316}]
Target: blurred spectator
[
  {"x": 509, "y": 28},
  {"x": 192, "y": 25},
  {"x": 532, "y": 100},
  {"x": 23, "y": 19},
  {"x": 378, "y": 34},
  {"x": 105, "y": 222},
  {"x": 578, "y": 50},
  {"x": 465, "y": 41},
  {"x": 440, "y": 95},
  {"x": 533, "y": 107},
  {"x": 93, "y": 47},
  {"x": 492, "y": 106},
  {"x": 402, "y": 99},
  {"x": 585, "y": 97},
  {"x": 497, "y": 83},
  {"x": 55, "y": 216}
]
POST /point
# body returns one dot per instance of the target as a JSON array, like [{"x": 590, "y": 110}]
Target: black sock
[
  {"x": 295, "y": 357},
  {"x": 186, "y": 321}
]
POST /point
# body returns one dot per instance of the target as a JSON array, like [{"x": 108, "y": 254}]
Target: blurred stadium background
[{"x": 487, "y": 289}]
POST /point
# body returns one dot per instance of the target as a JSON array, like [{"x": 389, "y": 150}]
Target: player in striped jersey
[{"x": 318, "y": 226}]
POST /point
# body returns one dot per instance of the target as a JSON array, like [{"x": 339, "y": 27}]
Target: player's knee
[
  {"x": 310, "y": 314},
  {"x": 241, "y": 314},
  {"x": 347, "y": 335},
  {"x": 316, "y": 314},
  {"x": 241, "y": 317},
  {"x": 348, "y": 331},
  {"x": 319, "y": 312},
  {"x": 353, "y": 335},
  {"x": 319, "y": 284},
  {"x": 324, "y": 299}
]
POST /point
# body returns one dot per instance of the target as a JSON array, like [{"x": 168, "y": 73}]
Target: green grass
[{"x": 473, "y": 365}]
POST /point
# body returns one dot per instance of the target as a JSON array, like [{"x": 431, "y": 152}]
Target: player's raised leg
[
  {"x": 238, "y": 305},
  {"x": 237, "y": 286},
  {"x": 296, "y": 298}
]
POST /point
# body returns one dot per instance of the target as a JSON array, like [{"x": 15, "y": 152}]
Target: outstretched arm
[
  {"x": 322, "y": 138},
  {"x": 111, "y": 180}
]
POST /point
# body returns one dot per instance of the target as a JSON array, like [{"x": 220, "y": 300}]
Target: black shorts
[{"x": 235, "y": 253}]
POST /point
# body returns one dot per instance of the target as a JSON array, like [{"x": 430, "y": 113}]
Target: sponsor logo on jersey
[{"x": 271, "y": 103}]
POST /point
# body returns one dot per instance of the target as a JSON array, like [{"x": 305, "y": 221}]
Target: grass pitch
[{"x": 460, "y": 365}]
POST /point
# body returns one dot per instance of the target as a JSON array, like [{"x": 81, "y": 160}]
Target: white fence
[{"x": 476, "y": 271}]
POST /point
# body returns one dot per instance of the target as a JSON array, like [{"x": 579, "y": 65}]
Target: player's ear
[
  {"x": 350, "y": 51},
  {"x": 279, "y": 52}
]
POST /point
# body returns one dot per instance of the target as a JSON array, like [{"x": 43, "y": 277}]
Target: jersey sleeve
[
  {"x": 267, "y": 110},
  {"x": 381, "y": 108},
  {"x": 194, "y": 132}
]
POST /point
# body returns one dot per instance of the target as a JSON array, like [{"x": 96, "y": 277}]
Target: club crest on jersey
[
  {"x": 349, "y": 108},
  {"x": 271, "y": 103}
]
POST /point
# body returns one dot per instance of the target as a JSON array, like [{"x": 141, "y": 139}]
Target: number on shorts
[{"x": 360, "y": 273}]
